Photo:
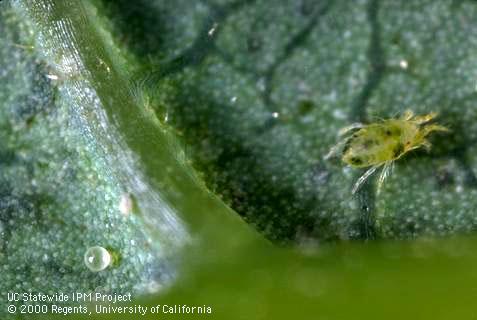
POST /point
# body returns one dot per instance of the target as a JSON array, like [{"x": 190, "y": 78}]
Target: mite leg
[
  {"x": 407, "y": 115},
  {"x": 387, "y": 168},
  {"x": 425, "y": 118},
  {"x": 337, "y": 148},
  {"x": 433, "y": 127},
  {"x": 426, "y": 144},
  {"x": 392, "y": 167},
  {"x": 363, "y": 178},
  {"x": 349, "y": 128},
  {"x": 340, "y": 145}
]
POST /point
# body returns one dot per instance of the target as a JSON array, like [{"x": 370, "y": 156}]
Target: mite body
[{"x": 379, "y": 144}]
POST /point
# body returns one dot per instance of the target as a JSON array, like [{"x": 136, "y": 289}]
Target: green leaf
[{"x": 261, "y": 101}]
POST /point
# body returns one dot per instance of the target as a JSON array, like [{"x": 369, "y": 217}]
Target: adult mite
[{"x": 379, "y": 144}]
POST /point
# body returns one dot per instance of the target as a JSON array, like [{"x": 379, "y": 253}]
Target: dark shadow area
[
  {"x": 203, "y": 45},
  {"x": 377, "y": 61},
  {"x": 141, "y": 24},
  {"x": 297, "y": 41},
  {"x": 15, "y": 210},
  {"x": 274, "y": 209},
  {"x": 453, "y": 144},
  {"x": 237, "y": 175},
  {"x": 236, "y": 172},
  {"x": 365, "y": 226}
]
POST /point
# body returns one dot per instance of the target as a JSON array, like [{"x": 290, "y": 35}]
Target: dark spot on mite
[
  {"x": 356, "y": 160},
  {"x": 392, "y": 132},
  {"x": 346, "y": 146},
  {"x": 369, "y": 143},
  {"x": 398, "y": 149}
]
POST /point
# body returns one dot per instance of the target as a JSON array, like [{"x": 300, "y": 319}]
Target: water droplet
[
  {"x": 403, "y": 64},
  {"x": 97, "y": 258}
]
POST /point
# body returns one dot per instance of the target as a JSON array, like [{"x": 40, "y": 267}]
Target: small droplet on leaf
[
  {"x": 403, "y": 64},
  {"x": 97, "y": 258}
]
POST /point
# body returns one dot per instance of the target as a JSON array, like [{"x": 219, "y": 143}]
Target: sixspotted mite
[{"x": 379, "y": 144}]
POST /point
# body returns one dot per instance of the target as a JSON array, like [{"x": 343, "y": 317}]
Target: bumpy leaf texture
[{"x": 261, "y": 92}]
